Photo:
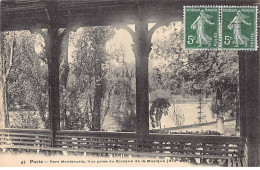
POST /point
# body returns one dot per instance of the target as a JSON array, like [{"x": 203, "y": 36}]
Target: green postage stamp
[
  {"x": 220, "y": 27},
  {"x": 201, "y": 27},
  {"x": 239, "y": 28}
]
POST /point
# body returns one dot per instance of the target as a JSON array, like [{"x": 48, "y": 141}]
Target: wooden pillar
[
  {"x": 258, "y": 119},
  {"x": 249, "y": 68},
  {"x": 142, "y": 48},
  {"x": 53, "y": 78},
  {"x": 249, "y": 83},
  {"x": 253, "y": 107},
  {"x": 53, "y": 41},
  {"x": 53, "y": 54}
]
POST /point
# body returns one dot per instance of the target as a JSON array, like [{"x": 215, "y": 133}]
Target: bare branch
[
  {"x": 10, "y": 63},
  {"x": 1, "y": 64}
]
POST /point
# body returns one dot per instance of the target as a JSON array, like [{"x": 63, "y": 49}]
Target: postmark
[
  {"x": 201, "y": 27},
  {"x": 239, "y": 27}
]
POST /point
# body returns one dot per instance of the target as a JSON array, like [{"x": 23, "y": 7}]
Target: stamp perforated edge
[
  {"x": 184, "y": 31},
  {"x": 256, "y": 29}
]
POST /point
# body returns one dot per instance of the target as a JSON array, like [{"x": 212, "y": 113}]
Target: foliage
[
  {"x": 27, "y": 79},
  {"x": 122, "y": 92},
  {"x": 228, "y": 108},
  {"x": 160, "y": 93},
  {"x": 167, "y": 59},
  {"x": 194, "y": 72},
  {"x": 27, "y": 84},
  {"x": 159, "y": 107},
  {"x": 87, "y": 86},
  {"x": 8, "y": 44},
  {"x": 177, "y": 117},
  {"x": 126, "y": 122},
  {"x": 98, "y": 82},
  {"x": 25, "y": 120}
]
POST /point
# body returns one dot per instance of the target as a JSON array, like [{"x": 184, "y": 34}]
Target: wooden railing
[
  {"x": 210, "y": 149},
  {"x": 98, "y": 143},
  {"x": 203, "y": 148},
  {"x": 17, "y": 140}
]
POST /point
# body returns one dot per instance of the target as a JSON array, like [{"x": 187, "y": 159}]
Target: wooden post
[
  {"x": 258, "y": 122},
  {"x": 142, "y": 48},
  {"x": 249, "y": 86},
  {"x": 53, "y": 54},
  {"x": 53, "y": 41},
  {"x": 53, "y": 78},
  {"x": 253, "y": 107}
]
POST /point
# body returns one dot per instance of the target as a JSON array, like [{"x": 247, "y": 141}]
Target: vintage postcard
[{"x": 129, "y": 83}]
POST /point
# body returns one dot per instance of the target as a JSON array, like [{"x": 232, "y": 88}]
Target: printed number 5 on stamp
[
  {"x": 201, "y": 27},
  {"x": 239, "y": 28}
]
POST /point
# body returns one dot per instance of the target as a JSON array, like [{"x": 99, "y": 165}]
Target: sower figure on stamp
[
  {"x": 199, "y": 24},
  {"x": 235, "y": 24}
]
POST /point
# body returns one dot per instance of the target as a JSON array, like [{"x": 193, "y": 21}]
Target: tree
[
  {"x": 159, "y": 107},
  {"x": 6, "y": 62},
  {"x": 121, "y": 91},
  {"x": 64, "y": 76},
  {"x": 26, "y": 120},
  {"x": 87, "y": 90},
  {"x": 195, "y": 72},
  {"x": 219, "y": 73},
  {"x": 27, "y": 83}
]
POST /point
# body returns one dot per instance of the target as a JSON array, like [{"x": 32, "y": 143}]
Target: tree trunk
[
  {"x": 64, "y": 79},
  {"x": 220, "y": 124},
  {"x": 220, "y": 120},
  {"x": 66, "y": 121},
  {"x": 97, "y": 98},
  {"x": 5, "y": 67},
  {"x": 40, "y": 103},
  {"x": 107, "y": 107},
  {"x": 42, "y": 113},
  {"x": 4, "y": 116},
  {"x": 237, "y": 128}
]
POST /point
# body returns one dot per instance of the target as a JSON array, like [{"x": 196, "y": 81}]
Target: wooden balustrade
[
  {"x": 207, "y": 148},
  {"x": 102, "y": 143},
  {"x": 210, "y": 149},
  {"x": 20, "y": 140}
]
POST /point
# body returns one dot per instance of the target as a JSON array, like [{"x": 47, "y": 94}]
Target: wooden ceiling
[{"x": 26, "y": 14}]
